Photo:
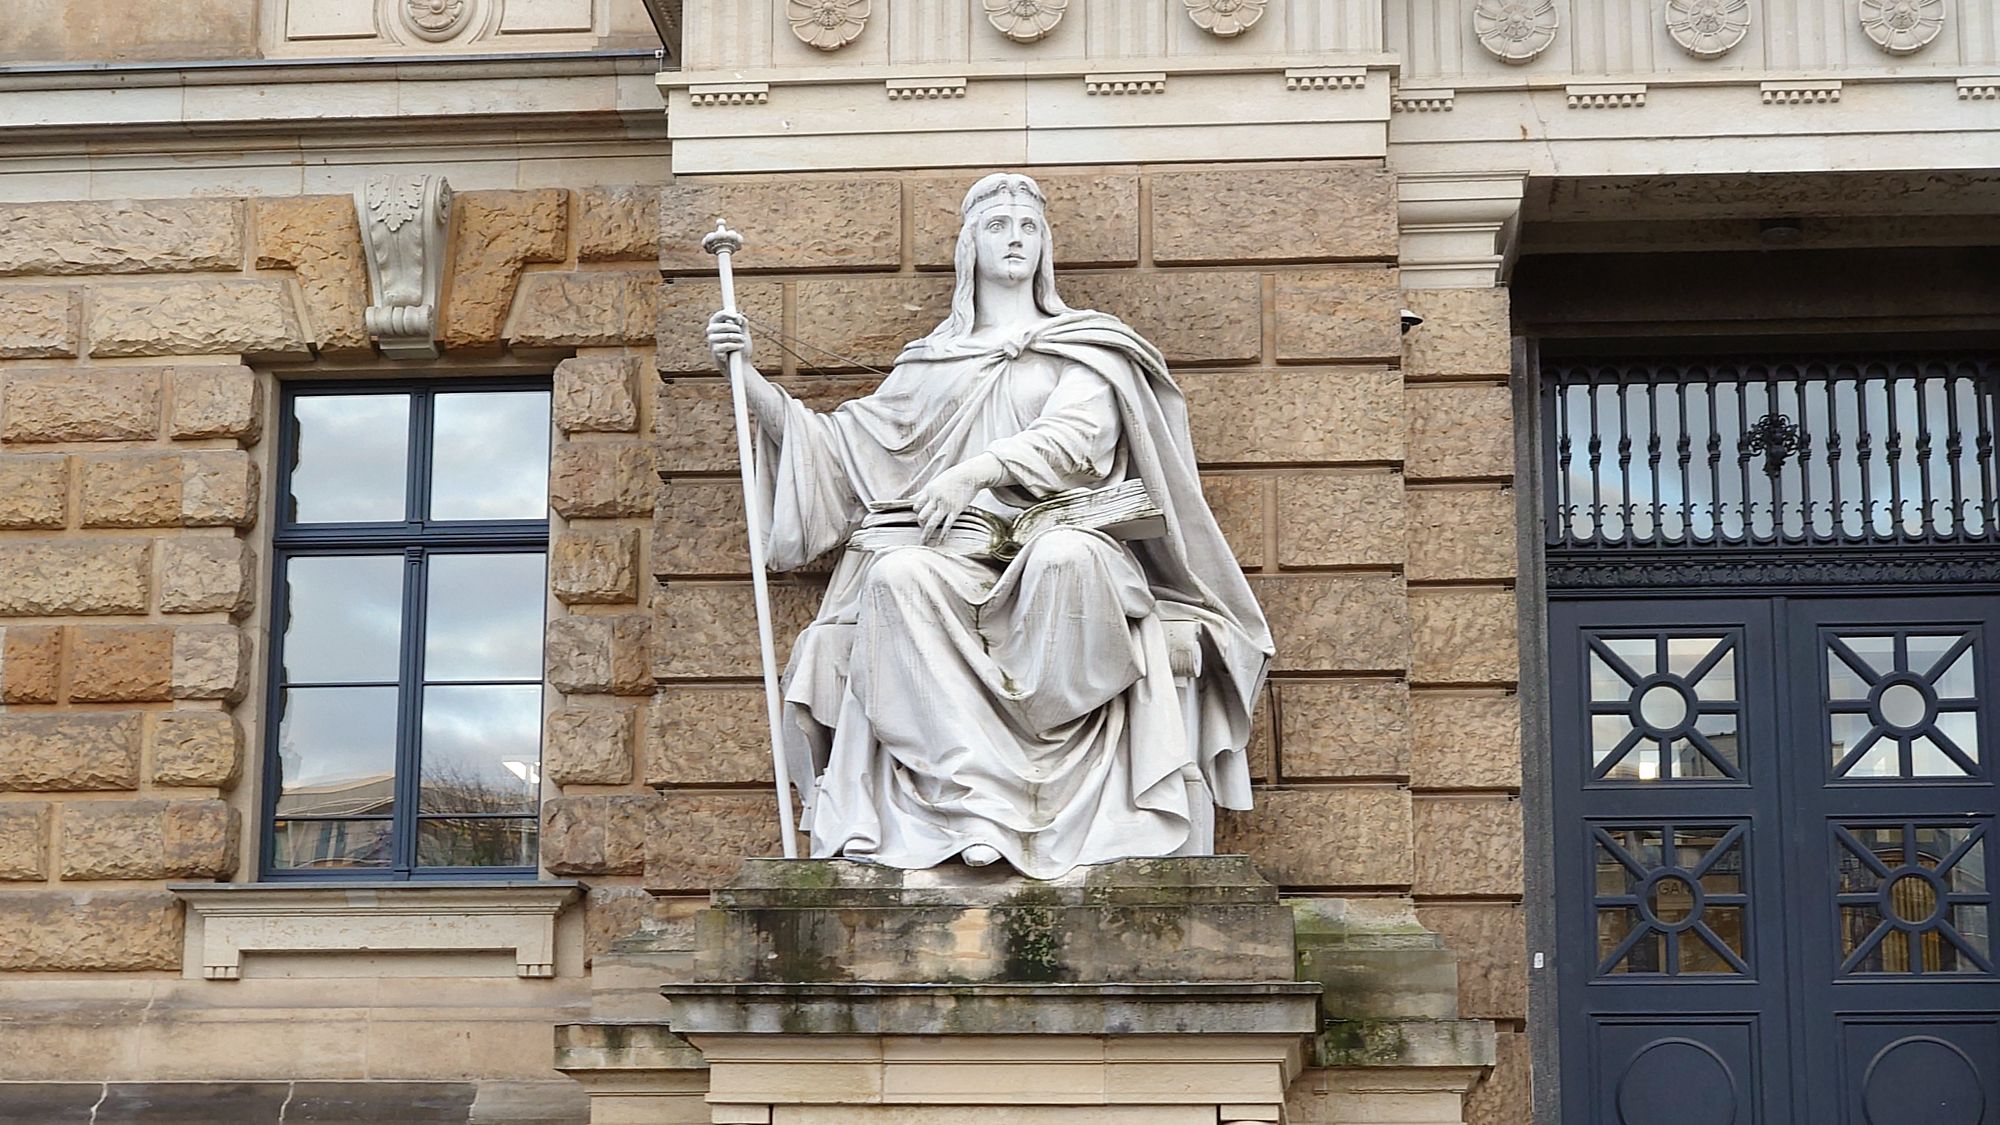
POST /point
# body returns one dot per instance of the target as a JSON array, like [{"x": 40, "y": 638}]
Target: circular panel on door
[
  {"x": 1676, "y": 1082},
  {"x": 1922, "y": 1079}
]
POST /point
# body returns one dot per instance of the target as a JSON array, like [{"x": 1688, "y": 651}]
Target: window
[{"x": 411, "y": 554}]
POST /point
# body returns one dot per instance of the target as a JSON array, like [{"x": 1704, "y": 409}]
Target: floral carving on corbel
[
  {"x": 1025, "y": 21},
  {"x": 1515, "y": 31},
  {"x": 1708, "y": 29},
  {"x": 1225, "y": 18},
  {"x": 1902, "y": 27},
  {"x": 436, "y": 20},
  {"x": 405, "y": 224},
  {"x": 827, "y": 24}
]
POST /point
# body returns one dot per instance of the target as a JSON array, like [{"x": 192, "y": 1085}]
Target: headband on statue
[{"x": 1002, "y": 188}]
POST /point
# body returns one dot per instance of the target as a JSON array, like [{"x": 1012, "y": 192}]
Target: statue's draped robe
[{"x": 939, "y": 701}]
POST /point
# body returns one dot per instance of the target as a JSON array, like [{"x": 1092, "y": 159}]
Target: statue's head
[{"x": 1003, "y": 239}]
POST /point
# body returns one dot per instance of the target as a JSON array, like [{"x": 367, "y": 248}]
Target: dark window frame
[{"x": 417, "y": 539}]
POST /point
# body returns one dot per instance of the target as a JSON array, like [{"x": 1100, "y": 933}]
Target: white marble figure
[{"x": 946, "y": 703}]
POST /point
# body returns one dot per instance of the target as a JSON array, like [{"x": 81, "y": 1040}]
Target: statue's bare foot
[{"x": 979, "y": 855}]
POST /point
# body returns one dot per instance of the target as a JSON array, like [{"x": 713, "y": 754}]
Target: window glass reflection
[
  {"x": 343, "y": 618},
  {"x": 490, "y": 456},
  {"x": 482, "y": 749},
  {"x": 484, "y": 617},
  {"x": 337, "y": 751},
  {"x": 331, "y": 844},
  {"x": 351, "y": 458},
  {"x": 477, "y": 841}
]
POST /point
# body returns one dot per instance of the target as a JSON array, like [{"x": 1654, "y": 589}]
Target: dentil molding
[{"x": 405, "y": 227}]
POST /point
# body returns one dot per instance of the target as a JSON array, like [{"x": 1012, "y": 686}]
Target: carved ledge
[
  {"x": 730, "y": 93},
  {"x": 1326, "y": 77},
  {"x": 372, "y": 919},
  {"x": 1146, "y": 82},
  {"x": 1800, "y": 93},
  {"x": 1457, "y": 228},
  {"x": 1631, "y": 96},
  {"x": 915, "y": 89},
  {"x": 1422, "y": 101},
  {"x": 405, "y": 226},
  {"x": 1979, "y": 89}
]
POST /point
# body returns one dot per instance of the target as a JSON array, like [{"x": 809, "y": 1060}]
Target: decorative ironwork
[
  {"x": 1671, "y": 899},
  {"x": 1663, "y": 708},
  {"x": 1777, "y": 438}
]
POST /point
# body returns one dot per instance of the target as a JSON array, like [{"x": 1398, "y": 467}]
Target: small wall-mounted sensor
[{"x": 1410, "y": 320}]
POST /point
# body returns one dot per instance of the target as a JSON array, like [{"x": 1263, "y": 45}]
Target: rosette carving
[
  {"x": 1708, "y": 28},
  {"x": 1902, "y": 27},
  {"x": 827, "y": 24},
  {"x": 1025, "y": 21},
  {"x": 436, "y": 20},
  {"x": 1225, "y": 18},
  {"x": 1515, "y": 31}
]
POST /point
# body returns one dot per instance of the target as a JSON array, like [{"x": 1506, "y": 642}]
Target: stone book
[{"x": 1122, "y": 511}]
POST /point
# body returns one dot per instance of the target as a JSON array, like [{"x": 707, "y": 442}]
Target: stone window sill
[{"x": 228, "y": 920}]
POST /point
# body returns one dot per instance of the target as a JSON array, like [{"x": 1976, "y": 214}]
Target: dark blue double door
[{"x": 1775, "y": 860}]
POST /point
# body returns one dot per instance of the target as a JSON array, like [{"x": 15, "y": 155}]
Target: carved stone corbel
[
  {"x": 405, "y": 225},
  {"x": 1457, "y": 228}
]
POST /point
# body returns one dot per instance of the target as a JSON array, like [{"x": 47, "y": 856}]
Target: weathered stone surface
[
  {"x": 602, "y": 479},
  {"x": 205, "y": 574},
  {"x": 1288, "y": 416},
  {"x": 841, "y": 222},
  {"x": 38, "y": 323},
  {"x": 1192, "y": 317},
  {"x": 1464, "y": 637},
  {"x": 69, "y": 752},
  {"x": 590, "y": 309},
  {"x": 598, "y": 835},
  {"x": 593, "y": 394},
  {"x": 1238, "y": 504},
  {"x": 1340, "y": 519},
  {"x": 1468, "y": 846},
  {"x": 705, "y": 629},
  {"x": 74, "y": 576},
  {"x": 1328, "y": 213},
  {"x": 615, "y": 912},
  {"x": 1094, "y": 218},
  {"x": 1262, "y": 752},
  {"x": 1465, "y": 740},
  {"x": 249, "y": 317},
  {"x": 121, "y": 236},
  {"x": 148, "y": 839},
  {"x": 1461, "y": 432},
  {"x": 1490, "y": 940},
  {"x": 218, "y": 489},
  {"x": 121, "y": 663},
  {"x": 595, "y": 565},
  {"x": 90, "y": 931},
  {"x": 1343, "y": 314},
  {"x": 707, "y": 736},
  {"x": 618, "y": 223},
  {"x": 687, "y": 303},
  {"x": 34, "y": 491},
  {"x": 1505, "y": 1095},
  {"x": 1465, "y": 332},
  {"x": 1343, "y": 729},
  {"x": 1350, "y": 836},
  {"x": 319, "y": 237},
  {"x": 704, "y": 835},
  {"x": 861, "y": 321},
  {"x": 66, "y": 404},
  {"x": 497, "y": 233},
  {"x": 601, "y": 653},
  {"x": 1461, "y": 535},
  {"x": 30, "y": 663},
  {"x": 24, "y": 841},
  {"x": 1336, "y": 622},
  {"x": 698, "y": 528},
  {"x": 196, "y": 748},
  {"x": 130, "y": 490},
  {"x": 589, "y": 746},
  {"x": 210, "y": 662},
  {"x": 695, "y": 429},
  {"x": 216, "y": 402}
]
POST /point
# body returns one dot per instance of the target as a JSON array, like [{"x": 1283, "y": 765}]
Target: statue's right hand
[{"x": 728, "y": 333}]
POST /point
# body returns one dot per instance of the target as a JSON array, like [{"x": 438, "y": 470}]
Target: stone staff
[{"x": 722, "y": 243}]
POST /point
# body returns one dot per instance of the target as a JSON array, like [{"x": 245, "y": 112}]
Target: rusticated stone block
[
  {"x": 196, "y": 748},
  {"x": 708, "y": 736},
  {"x": 1343, "y": 314},
  {"x": 148, "y": 839},
  {"x": 1505, "y": 1096},
  {"x": 1461, "y": 535},
  {"x": 1262, "y": 752},
  {"x": 1468, "y": 846},
  {"x": 603, "y": 479},
  {"x": 589, "y": 746},
  {"x": 131, "y": 490},
  {"x": 1328, "y": 213},
  {"x": 618, "y": 223},
  {"x": 69, "y": 752},
  {"x": 705, "y": 834},
  {"x": 30, "y": 663},
  {"x": 593, "y": 394},
  {"x": 1465, "y": 332},
  {"x": 121, "y": 663},
  {"x": 599, "y": 654},
  {"x": 1349, "y": 836},
  {"x": 840, "y": 222},
  {"x": 210, "y": 662},
  {"x": 249, "y": 317},
  {"x": 217, "y": 402},
  {"x": 698, "y": 528},
  {"x": 595, "y": 565},
  {"x": 1461, "y": 432},
  {"x": 205, "y": 574},
  {"x": 34, "y": 491},
  {"x": 74, "y": 576},
  {"x": 1343, "y": 729},
  {"x": 597, "y": 835},
  {"x": 121, "y": 236},
  {"x": 1094, "y": 218},
  {"x": 1490, "y": 940},
  {"x": 38, "y": 323},
  {"x": 498, "y": 233},
  {"x": 863, "y": 321},
  {"x": 687, "y": 303},
  {"x": 24, "y": 841},
  {"x": 697, "y": 432},
  {"x": 707, "y": 629},
  {"x": 100, "y": 404},
  {"x": 1340, "y": 519},
  {"x": 1207, "y": 317},
  {"x": 1464, "y": 637},
  {"x": 1238, "y": 504},
  {"x": 218, "y": 489},
  {"x": 1254, "y": 417},
  {"x": 90, "y": 931},
  {"x": 1465, "y": 740},
  {"x": 319, "y": 238},
  {"x": 1336, "y": 622},
  {"x": 597, "y": 308},
  {"x": 615, "y": 912}
]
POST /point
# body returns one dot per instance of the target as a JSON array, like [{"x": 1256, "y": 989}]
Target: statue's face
[{"x": 1008, "y": 238}]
